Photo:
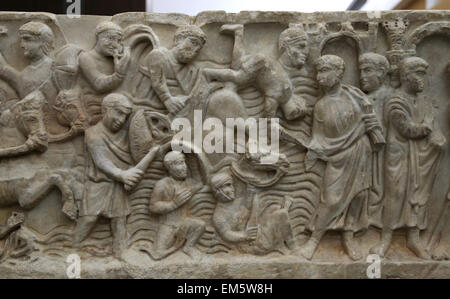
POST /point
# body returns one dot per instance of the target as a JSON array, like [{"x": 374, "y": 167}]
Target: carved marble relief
[{"x": 356, "y": 104}]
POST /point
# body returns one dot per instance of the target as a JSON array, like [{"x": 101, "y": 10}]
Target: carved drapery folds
[{"x": 359, "y": 103}]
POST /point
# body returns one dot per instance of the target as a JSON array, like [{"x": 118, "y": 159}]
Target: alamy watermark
[
  {"x": 74, "y": 9},
  {"x": 374, "y": 269},
  {"x": 236, "y": 135},
  {"x": 73, "y": 270}
]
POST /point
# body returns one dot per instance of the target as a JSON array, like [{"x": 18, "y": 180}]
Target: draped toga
[
  {"x": 411, "y": 161},
  {"x": 339, "y": 133}
]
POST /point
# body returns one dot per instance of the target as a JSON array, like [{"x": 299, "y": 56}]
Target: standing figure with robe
[
  {"x": 340, "y": 137},
  {"x": 374, "y": 72},
  {"x": 413, "y": 153}
]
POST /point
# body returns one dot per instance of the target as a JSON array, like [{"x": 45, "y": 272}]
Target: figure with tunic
[
  {"x": 103, "y": 68},
  {"x": 109, "y": 169},
  {"x": 176, "y": 227},
  {"x": 172, "y": 73},
  {"x": 295, "y": 49}
]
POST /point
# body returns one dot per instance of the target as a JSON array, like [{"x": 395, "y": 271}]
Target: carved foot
[
  {"x": 379, "y": 249},
  {"x": 59, "y": 180},
  {"x": 154, "y": 254},
  {"x": 418, "y": 250},
  {"x": 308, "y": 250},
  {"x": 193, "y": 253},
  {"x": 441, "y": 255},
  {"x": 351, "y": 248},
  {"x": 231, "y": 28},
  {"x": 70, "y": 209}
]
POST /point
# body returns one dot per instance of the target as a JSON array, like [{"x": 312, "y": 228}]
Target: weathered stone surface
[{"x": 97, "y": 160}]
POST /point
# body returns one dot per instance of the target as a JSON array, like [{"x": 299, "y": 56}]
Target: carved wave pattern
[
  {"x": 302, "y": 186},
  {"x": 58, "y": 242},
  {"x": 202, "y": 206},
  {"x": 141, "y": 224}
]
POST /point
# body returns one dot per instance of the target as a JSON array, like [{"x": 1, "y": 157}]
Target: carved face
[
  {"x": 178, "y": 168},
  {"x": 298, "y": 52},
  {"x": 31, "y": 46},
  {"x": 415, "y": 79},
  {"x": 226, "y": 192},
  {"x": 115, "y": 117},
  {"x": 370, "y": 77},
  {"x": 188, "y": 48},
  {"x": 328, "y": 76},
  {"x": 110, "y": 43}
]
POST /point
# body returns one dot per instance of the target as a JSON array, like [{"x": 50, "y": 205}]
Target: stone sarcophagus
[{"x": 250, "y": 145}]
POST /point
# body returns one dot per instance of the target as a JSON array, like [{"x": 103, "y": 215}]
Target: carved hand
[
  {"x": 183, "y": 197},
  {"x": 427, "y": 129},
  {"x": 131, "y": 176},
  {"x": 121, "y": 64},
  {"x": 175, "y": 104},
  {"x": 31, "y": 143},
  {"x": 437, "y": 139},
  {"x": 251, "y": 233},
  {"x": 370, "y": 121}
]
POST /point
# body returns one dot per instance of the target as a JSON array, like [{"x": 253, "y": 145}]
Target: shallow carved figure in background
[
  {"x": 243, "y": 221},
  {"x": 294, "y": 48},
  {"x": 340, "y": 137},
  {"x": 172, "y": 73},
  {"x": 104, "y": 67},
  {"x": 36, "y": 40},
  {"x": 169, "y": 200},
  {"x": 413, "y": 152},
  {"x": 262, "y": 72},
  {"x": 374, "y": 70},
  {"x": 109, "y": 170}
]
